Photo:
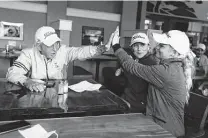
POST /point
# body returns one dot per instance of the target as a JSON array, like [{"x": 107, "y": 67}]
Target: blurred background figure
[{"x": 201, "y": 60}]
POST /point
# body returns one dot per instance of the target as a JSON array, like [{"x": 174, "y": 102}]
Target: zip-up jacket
[
  {"x": 32, "y": 62},
  {"x": 136, "y": 89}
]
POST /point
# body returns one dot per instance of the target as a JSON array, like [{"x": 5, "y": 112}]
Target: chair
[
  {"x": 197, "y": 110},
  {"x": 81, "y": 73}
]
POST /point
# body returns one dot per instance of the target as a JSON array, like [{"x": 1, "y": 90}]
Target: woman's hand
[
  {"x": 108, "y": 45},
  {"x": 116, "y": 37},
  {"x": 113, "y": 39}
]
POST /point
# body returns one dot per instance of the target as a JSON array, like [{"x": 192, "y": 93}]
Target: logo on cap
[
  {"x": 137, "y": 36},
  {"x": 48, "y": 34}
]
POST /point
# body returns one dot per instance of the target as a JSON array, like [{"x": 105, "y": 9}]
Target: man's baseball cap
[
  {"x": 46, "y": 35},
  {"x": 139, "y": 38},
  {"x": 176, "y": 39},
  {"x": 201, "y": 46}
]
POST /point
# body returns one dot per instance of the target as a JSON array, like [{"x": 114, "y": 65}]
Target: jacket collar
[
  {"x": 171, "y": 60},
  {"x": 146, "y": 56},
  {"x": 40, "y": 54}
]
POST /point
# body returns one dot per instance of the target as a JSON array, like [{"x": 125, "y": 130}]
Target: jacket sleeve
[
  {"x": 154, "y": 74},
  {"x": 18, "y": 71},
  {"x": 85, "y": 52}
]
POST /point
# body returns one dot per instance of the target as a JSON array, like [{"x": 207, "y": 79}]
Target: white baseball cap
[
  {"x": 176, "y": 39},
  {"x": 46, "y": 35},
  {"x": 201, "y": 46},
  {"x": 139, "y": 38}
]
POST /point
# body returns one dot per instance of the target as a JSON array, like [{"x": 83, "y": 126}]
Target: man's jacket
[{"x": 32, "y": 62}]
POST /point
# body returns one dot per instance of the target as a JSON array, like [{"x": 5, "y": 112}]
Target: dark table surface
[
  {"x": 106, "y": 126},
  {"x": 17, "y": 103}
]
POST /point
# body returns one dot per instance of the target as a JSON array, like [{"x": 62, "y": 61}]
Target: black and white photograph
[
  {"x": 92, "y": 35},
  {"x": 13, "y": 31},
  {"x": 104, "y": 69}
]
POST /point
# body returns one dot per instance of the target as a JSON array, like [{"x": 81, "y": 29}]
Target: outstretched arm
[
  {"x": 86, "y": 52},
  {"x": 152, "y": 74}
]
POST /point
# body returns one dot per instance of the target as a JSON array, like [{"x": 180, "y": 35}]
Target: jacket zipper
[
  {"x": 47, "y": 78},
  {"x": 46, "y": 64}
]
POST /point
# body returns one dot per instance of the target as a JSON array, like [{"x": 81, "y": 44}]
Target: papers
[
  {"x": 36, "y": 131},
  {"x": 84, "y": 86}
]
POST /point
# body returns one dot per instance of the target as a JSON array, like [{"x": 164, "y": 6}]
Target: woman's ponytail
[{"x": 189, "y": 71}]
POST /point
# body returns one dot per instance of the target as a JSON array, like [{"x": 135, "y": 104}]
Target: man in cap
[{"x": 47, "y": 59}]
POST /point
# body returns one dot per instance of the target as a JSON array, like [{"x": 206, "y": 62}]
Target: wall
[
  {"x": 76, "y": 37},
  {"x": 109, "y": 27},
  {"x": 4, "y": 65},
  {"x": 103, "y": 6},
  {"x": 32, "y": 21}
]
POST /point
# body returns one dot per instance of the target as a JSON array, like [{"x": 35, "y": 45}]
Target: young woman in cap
[
  {"x": 169, "y": 82},
  {"x": 136, "y": 88}
]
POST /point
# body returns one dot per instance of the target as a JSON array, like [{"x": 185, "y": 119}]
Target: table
[
  {"x": 99, "y": 59},
  {"x": 106, "y": 126},
  {"x": 196, "y": 112},
  {"x": 10, "y": 56},
  {"x": 197, "y": 109},
  {"x": 17, "y": 103}
]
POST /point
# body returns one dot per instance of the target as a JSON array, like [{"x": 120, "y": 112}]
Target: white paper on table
[
  {"x": 84, "y": 86},
  {"x": 36, "y": 131}
]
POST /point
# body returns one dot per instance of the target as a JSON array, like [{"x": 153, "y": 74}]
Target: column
[
  {"x": 56, "y": 10},
  {"x": 56, "y": 17}
]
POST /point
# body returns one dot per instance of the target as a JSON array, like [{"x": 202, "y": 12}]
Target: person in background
[
  {"x": 201, "y": 60},
  {"x": 47, "y": 59},
  {"x": 136, "y": 88},
  {"x": 169, "y": 82}
]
